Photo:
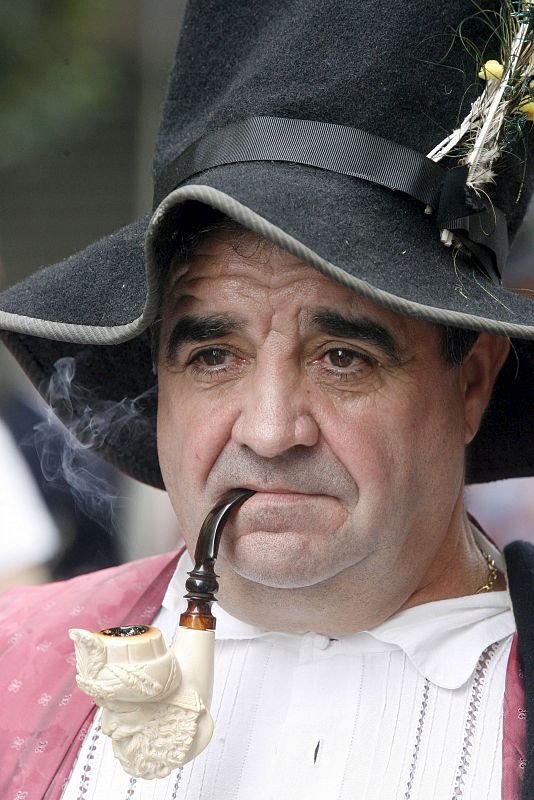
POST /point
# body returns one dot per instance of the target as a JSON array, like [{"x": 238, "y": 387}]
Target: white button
[{"x": 321, "y": 642}]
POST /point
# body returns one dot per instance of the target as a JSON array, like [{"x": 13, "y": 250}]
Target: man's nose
[{"x": 275, "y": 412}]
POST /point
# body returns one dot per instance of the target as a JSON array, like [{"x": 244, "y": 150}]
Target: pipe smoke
[{"x": 88, "y": 423}]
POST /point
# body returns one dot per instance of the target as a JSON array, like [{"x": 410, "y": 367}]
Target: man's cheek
[
  {"x": 199, "y": 442},
  {"x": 367, "y": 449}
]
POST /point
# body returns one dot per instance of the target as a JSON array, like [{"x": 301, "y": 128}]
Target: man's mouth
[
  {"x": 281, "y": 489},
  {"x": 281, "y": 509}
]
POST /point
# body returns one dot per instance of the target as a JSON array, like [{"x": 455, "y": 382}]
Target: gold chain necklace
[{"x": 493, "y": 574}]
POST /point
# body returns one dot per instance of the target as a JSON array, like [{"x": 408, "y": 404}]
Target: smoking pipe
[{"x": 155, "y": 699}]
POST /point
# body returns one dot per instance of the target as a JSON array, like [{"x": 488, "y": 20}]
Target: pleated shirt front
[{"x": 410, "y": 710}]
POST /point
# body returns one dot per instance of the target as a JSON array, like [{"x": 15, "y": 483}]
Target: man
[
  {"x": 313, "y": 397},
  {"x": 313, "y": 340}
]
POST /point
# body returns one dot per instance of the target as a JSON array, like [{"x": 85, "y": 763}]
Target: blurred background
[{"x": 82, "y": 86}]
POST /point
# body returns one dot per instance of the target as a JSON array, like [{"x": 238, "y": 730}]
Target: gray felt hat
[{"x": 309, "y": 123}]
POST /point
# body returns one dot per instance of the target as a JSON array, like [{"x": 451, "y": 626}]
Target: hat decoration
[
  {"x": 506, "y": 104},
  {"x": 500, "y": 115}
]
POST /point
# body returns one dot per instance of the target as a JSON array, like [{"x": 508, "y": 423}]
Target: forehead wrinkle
[
  {"x": 175, "y": 302},
  {"x": 273, "y": 290},
  {"x": 183, "y": 269},
  {"x": 221, "y": 255},
  {"x": 220, "y": 258}
]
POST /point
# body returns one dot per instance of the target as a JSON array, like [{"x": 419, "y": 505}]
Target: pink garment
[
  {"x": 43, "y": 715},
  {"x": 514, "y": 745}
]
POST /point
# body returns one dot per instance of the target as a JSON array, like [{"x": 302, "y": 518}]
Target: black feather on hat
[{"x": 310, "y": 124}]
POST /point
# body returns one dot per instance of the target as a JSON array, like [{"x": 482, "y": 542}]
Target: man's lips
[
  {"x": 279, "y": 494},
  {"x": 282, "y": 510},
  {"x": 279, "y": 488}
]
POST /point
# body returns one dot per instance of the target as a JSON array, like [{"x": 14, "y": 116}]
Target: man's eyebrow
[
  {"x": 196, "y": 328},
  {"x": 363, "y": 328}
]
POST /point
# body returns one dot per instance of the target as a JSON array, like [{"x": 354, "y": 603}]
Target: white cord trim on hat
[
  {"x": 68, "y": 332},
  {"x": 86, "y": 334},
  {"x": 116, "y": 334},
  {"x": 244, "y": 215}
]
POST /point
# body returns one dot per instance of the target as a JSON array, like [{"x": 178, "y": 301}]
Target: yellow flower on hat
[
  {"x": 526, "y": 106},
  {"x": 492, "y": 70}
]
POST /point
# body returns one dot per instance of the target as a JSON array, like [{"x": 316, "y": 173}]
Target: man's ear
[{"x": 478, "y": 373}]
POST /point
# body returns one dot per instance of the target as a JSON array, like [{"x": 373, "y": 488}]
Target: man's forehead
[
  {"x": 232, "y": 259},
  {"x": 241, "y": 254}
]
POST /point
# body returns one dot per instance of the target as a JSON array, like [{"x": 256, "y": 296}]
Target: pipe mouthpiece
[{"x": 202, "y": 582}]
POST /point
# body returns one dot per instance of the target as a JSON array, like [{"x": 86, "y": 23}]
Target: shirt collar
[{"x": 443, "y": 639}]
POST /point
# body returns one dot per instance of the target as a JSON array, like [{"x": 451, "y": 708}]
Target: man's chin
[{"x": 278, "y": 560}]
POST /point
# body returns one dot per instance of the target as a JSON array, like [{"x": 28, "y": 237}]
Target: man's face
[{"x": 342, "y": 415}]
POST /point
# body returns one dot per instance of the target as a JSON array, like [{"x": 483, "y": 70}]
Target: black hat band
[{"x": 359, "y": 154}]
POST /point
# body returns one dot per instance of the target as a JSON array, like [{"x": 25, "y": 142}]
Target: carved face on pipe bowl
[{"x": 341, "y": 414}]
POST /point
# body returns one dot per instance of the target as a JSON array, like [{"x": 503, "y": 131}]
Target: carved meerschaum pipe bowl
[{"x": 156, "y": 700}]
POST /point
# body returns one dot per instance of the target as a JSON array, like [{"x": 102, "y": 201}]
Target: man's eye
[
  {"x": 343, "y": 358},
  {"x": 210, "y": 357}
]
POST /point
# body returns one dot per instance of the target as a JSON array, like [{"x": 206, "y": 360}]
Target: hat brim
[{"x": 377, "y": 243}]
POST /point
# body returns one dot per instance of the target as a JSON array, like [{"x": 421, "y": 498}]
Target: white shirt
[{"x": 409, "y": 710}]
